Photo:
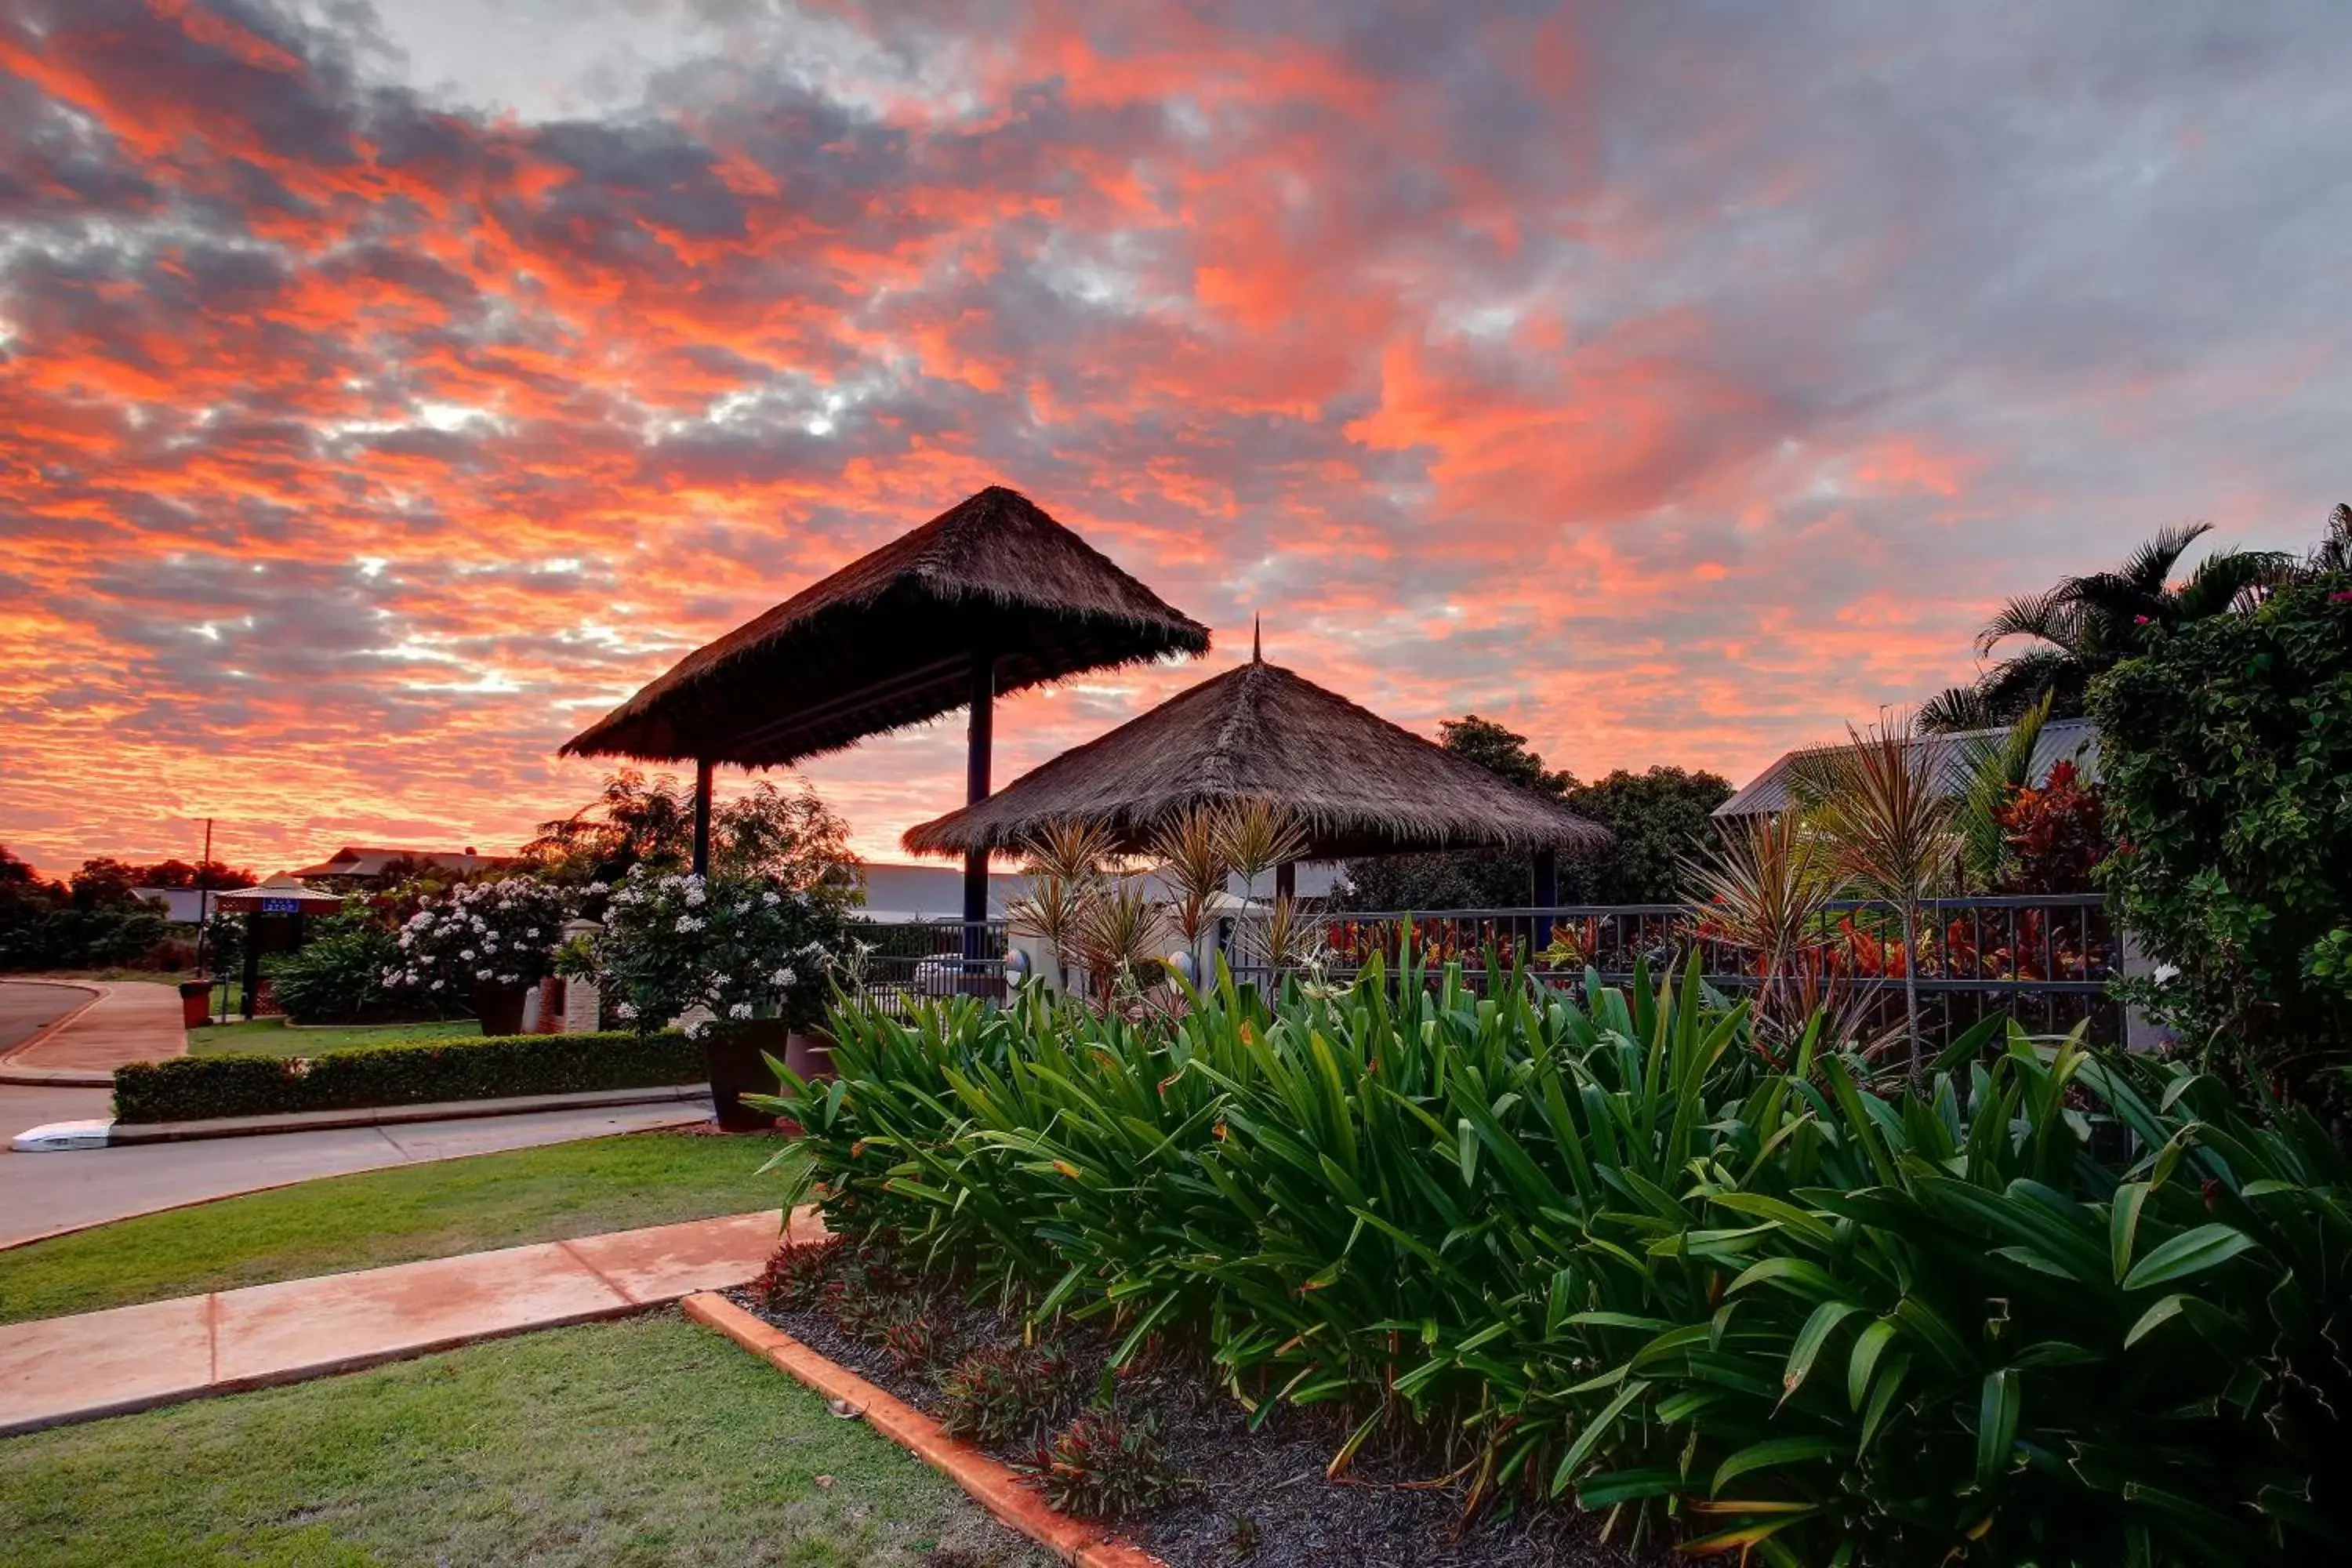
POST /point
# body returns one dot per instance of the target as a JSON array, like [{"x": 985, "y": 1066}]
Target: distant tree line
[{"x": 93, "y": 920}]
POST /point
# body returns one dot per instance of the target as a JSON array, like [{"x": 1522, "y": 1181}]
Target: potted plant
[
  {"x": 737, "y": 962},
  {"x": 484, "y": 943}
]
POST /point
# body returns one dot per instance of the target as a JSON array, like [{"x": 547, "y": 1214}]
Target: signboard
[{"x": 282, "y": 906}]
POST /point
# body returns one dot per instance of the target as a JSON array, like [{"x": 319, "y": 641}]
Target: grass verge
[
  {"x": 271, "y": 1037},
  {"x": 396, "y": 1215},
  {"x": 647, "y": 1441}
]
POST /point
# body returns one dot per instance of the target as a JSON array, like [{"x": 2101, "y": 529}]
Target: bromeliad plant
[{"x": 2057, "y": 1307}]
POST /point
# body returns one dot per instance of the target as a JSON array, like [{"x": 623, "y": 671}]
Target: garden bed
[{"x": 1239, "y": 1495}]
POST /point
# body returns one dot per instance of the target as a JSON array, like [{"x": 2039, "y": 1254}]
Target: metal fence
[
  {"x": 907, "y": 962},
  {"x": 2045, "y": 959}
]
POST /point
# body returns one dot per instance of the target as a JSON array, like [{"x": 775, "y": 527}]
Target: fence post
[
  {"x": 2141, "y": 1033},
  {"x": 583, "y": 1003}
]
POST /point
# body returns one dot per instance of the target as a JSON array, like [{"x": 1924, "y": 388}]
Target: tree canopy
[{"x": 1658, "y": 817}]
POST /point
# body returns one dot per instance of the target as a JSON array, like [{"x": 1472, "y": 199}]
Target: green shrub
[
  {"x": 336, "y": 976},
  {"x": 2057, "y": 1309},
  {"x": 189, "y": 1088},
  {"x": 82, "y": 939},
  {"x": 2224, "y": 750}
]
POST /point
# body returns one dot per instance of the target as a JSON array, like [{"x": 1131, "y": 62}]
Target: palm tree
[{"x": 2083, "y": 626}]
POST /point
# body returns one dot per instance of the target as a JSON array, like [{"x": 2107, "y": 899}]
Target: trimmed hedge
[{"x": 191, "y": 1088}]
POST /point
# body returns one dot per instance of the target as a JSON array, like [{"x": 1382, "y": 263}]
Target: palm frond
[
  {"x": 1954, "y": 708},
  {"x": 2050, "y": 617},
  {"x": 2149, "y": 568},
  {"x": 1997, "y": 767},
  {"x": 2230, "y": 580}
]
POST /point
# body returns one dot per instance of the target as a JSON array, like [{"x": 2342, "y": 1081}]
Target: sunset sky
[{"x": 387, "y": 389}]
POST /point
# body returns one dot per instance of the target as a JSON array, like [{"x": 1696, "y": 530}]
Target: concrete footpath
[
  {"x": 93, "y": 1365},
  {"x": 130, "y": 1021},
  {"x": 44, "y": 1194}
]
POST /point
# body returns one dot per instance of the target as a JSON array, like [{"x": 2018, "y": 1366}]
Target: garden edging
[{"x": 996, "y": 1486}]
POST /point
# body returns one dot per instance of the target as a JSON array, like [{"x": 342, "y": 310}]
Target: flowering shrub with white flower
[
  {"x": 499, "y": 934},
  {"x": 737, "y": 947}
]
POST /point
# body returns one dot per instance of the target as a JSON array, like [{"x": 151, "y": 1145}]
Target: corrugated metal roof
[{"x": 2062, "y": 740}]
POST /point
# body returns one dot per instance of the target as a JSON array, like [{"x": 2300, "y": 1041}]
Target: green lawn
[
  {"x": 389, "y": 1216},
  {"x": 649, "y": 1441},
  {"x": 271, "y": 1037}
]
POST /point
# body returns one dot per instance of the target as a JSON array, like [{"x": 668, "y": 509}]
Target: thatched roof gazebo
[
  {"x": 991, "y": 596},
  {"x": 1356, "y": 784}
]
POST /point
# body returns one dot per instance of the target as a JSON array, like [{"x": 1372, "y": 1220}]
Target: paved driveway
[{"x": 25, "y": 1010}]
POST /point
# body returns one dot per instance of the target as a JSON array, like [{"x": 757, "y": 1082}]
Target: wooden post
[
  {"x": 702, "y": 816},
  {"x": 1286, "y": 879},
  {"x": 252, "y": 962},
  {"x": 982, "y": 738}
]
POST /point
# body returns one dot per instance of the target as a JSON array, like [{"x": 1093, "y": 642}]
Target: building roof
[
  {"x": 890, "y": 640},
  {"x": 2062, "y": 740},
  {"x": 369, "y": 859},
  {"x": 1361, "y": 785}
]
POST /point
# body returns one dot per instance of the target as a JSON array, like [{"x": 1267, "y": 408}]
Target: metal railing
[
  {"x": 905, "y": 962},
  {"x": 2045, "y": 958}
]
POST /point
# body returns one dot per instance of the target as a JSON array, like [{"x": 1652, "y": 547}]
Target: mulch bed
[{"x": 1247, "y": 1497}]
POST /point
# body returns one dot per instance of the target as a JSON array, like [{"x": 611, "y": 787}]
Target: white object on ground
[{"x": 53, "y": 1136}]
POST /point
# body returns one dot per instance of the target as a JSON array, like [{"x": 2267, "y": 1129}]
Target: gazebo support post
[
  {"x": 1286, "y": 879},
  {"x": 1547, "y": 879},
  {"x": 702, "y": 817},
  {"x": 977, "y": 762}
]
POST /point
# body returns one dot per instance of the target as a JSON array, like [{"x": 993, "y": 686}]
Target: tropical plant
[
  {"x": 2224, "y": 751},
  {"x": 1765, "y": 891},
  {"x": 1887, "y": 831},
  {"x": 500, "y": 933},
  {"x": 1122, "y": 935},
  {"x": 2084, "y": 626},
  {"x": 674, "y": 945},
  {"x": 336, "y": 977},
  {"x": 2053, "y": 1307},
  {"x": 790, "y": 838},
  {"x": 1190, "y": 849},
  {"x": 1998, "y": 765},
  {"x": 1065, "y": 871},
  {"x": 1258, "y": 835}
]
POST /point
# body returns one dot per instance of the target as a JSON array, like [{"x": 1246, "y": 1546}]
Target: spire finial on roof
[{"x": 1257, "y": 647}]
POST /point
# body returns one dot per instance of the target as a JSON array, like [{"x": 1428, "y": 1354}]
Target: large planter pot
[
  {"x": 810, "y": 1055},
  {"x": 500, "y": 1008},
  {"x": 195, "y": 1004},
  {"x": 735, "y": 1054}
]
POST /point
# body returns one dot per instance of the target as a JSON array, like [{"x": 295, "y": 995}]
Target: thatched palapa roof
[
  {"x": 889, "y": 640},
  {"x": 1361, "y": 784}
]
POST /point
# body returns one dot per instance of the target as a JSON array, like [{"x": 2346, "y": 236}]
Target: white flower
[
  {"x": 695, "y": 1026},
  {"x": 467, "y": 955},
  {"x": 481, "y": 975},
  {"x": 592, "y": 889},
  {"x": 407, "y": 939},
  {"x": 436, "y": 986},
  {"x": 694, "y": 897},
  {"x": 782, "y": 978},
  {"x": 741, "y": 1010},
  {"x": 770, "y": 897},
  {"x": 688, "y": 923},
  {"x": 510, "y": 979},
  {"x": 624, "y": 1010},
  {"x": 532, "y": 930}
]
